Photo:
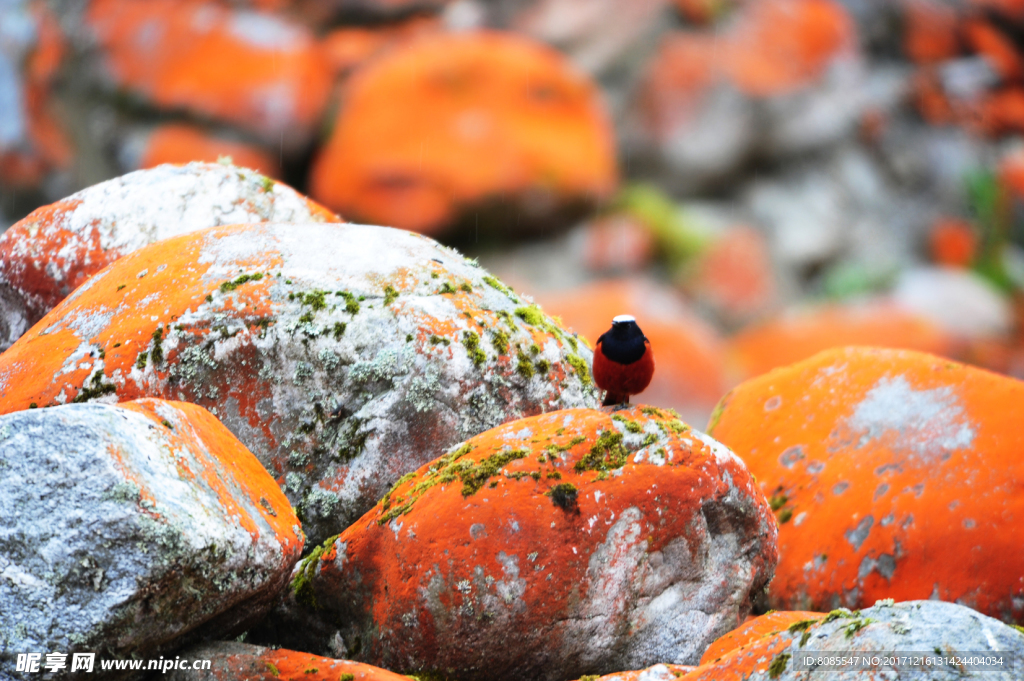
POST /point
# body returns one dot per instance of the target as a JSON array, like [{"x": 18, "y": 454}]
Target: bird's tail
[{"x": 611, "y": 399}]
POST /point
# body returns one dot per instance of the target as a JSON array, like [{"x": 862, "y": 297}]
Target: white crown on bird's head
[{"x": 623, "y": 319}]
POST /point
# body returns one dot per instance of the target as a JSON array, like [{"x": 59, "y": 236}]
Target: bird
[{"x": 623, "y": 361}]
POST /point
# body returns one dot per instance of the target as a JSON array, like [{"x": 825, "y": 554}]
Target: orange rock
[
  {"x": 800, "y": 333},
  {"x": 232, "y": 661},
  {"x": 343, "y": 356},
  {"x": 569, "y": 533},
  {"x": 892, "y": 474},
  {"x": 484, "y": 115},
  {"x": 350, "y": 46},
  {"x": 57, "y": 247},
  {"x": 953, "y": 243},
  {"x": 253, "y": 69},
  {"x": 690, "y": 373},
  {"x": 781, "y": 45},
  {"x": 1002, "y": 112},
  {"x": 930, "y": 98},
  {"x": 181, "y": 143},
  {"x": 755, "y": 629},
  {"x": 996, "y": 47},
  {"x": 735, "y": 277},
  {"x": 931, "y": 32}
]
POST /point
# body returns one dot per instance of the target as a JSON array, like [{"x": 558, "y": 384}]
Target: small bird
[{"x": 623, "y": 361}]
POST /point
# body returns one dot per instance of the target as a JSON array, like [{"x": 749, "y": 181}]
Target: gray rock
[
  {"x": 127, "y": 530},
  {"x": 931, "y": 628}
]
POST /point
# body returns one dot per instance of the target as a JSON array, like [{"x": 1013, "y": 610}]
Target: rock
[
  {"x": 782, "y": 78},
  {"x": 343, "y": 356},
  {"x": 232, "y": 661},
  {"x": 867, "y": 455},
  {"x": 689, "y": 354},
  {"x": 487, "y": 117},
  {"x": 913, "y": 628},
  {"x": 597, "y": 35},
  {"x": 277, "y": 85},
  {"x": 735, "y": 277},
  {"x": 56, "y": 248},
  {"x": 754, "y": 629},
  {"x": 952, "y": 243},
  {"x": 127, "y": 530},
  {"x": 799, "y": 333},
  {"x": 659, "y": 672},
  {"x": 956, "y": 300},
  {"x": 595, "y": 540},
  {"x": 181, "y": 143}
]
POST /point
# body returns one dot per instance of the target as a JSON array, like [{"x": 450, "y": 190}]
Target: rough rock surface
[
  {"x": 595, "y": 540},
  {"x": 343, "y": 356},
  {"x": 57, "y": 247},
  {"x": 756, "y": 628},
  {"x": 123, "y": 529},
  {"x": 882, "y": 466},
  {"x": 922, "y": 627},
  {"x": 231, "y": 661}
]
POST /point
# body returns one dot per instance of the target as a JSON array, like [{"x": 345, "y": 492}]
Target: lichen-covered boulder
[
  {"x": 270, "y": 78},
  {"x": 57, "y": 247},
  {"x": 892, "y": 473},
  {"x": 126, "y": 529},
  {"x": 342, "y": 355},
  {"x": 580, "y": 541},
  {"x": 486, "y": 117},
  {"x": 908, "y": 631},
  {"x": 232, "y": 661}
]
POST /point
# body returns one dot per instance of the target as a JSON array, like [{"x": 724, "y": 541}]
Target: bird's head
[{"x": 625, "y": 328}]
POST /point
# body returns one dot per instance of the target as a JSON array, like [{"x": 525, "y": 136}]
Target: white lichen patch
[{"x": 928, "y": 423}]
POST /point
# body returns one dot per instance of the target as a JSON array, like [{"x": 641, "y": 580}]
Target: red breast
[{"x": 623, "y": 379}]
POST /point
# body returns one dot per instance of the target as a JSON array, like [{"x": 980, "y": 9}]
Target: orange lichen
[
  {"x": 181, "y": 143},
  {"x": 892, "y": 474},
  {"x": 482, "y": 115},
  {"x": 677, "y": 670},
  {"x": 690, "y": 357},
  {"x": 530, "y": 503},
  {"x": 255, "y": 663},
  {"x": 349, "y": 46},
  {"x": 931, "y": 31},
  {"x": 953, "y": 243},
  {"x": 755, "y": 657},
  {"x": 995, "y": 47},
  {"x": 799, "y": 334},
  {"x": 755, "y": 629},
  {"x": 252, "y": 69}
]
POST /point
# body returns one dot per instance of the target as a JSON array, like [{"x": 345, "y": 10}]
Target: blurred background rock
[{"x": 756, "y": 180}]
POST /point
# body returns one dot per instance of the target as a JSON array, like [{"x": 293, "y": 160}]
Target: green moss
[
  {"x": 347, "y": 677},
  {"x": 167, "y": 424},
  {"x": 266, "y": 184},
  {"x": 778, "y": 501},
  {"x": 473, "y": 477},
  {"x": 95, "y": 388},
  {"x": 716, "y": 415},
  {"x": 438, "y": 340},
  {"x": 273, "y": 669},
  {"x": 121, "y": 286},
  {"x": 649, "y": 440},
  {"x": 351, "y": 304},
  {"x": 302, "y": 584},
  {"x": 33, "y": 405},
  {"x": 389, "y": 295},
  {"x": 565, "y": 496},
  {"x": 532, "y": 315},
  {"x": 315, "y": 299},
  {"x": 338, "y": 330},
  {"x": 580, "y": 365},
  {"x": 209, "y": 298},
  {"x": 157, "y": 353},
  {"x": 495, "y": 284},
  {"x": 465, "y": 287},
  {"x": 499, "y": 339},
  {"x": 140, "y": 361},
  {"x": 802, "y": 627},
  {"x": 472, "y": 342},
  {"x": 446, "y": 288},
  {"x": 608, "y": 453},
  {"x": 554, "y": 475},
  {"x": 307, "y": 318},
  {"x": 507, "y": 318},
  {"x": 631, "y": 426},
  {"x": 542, "y": 366},
  {"x": 856, "y": 625},
  {"x": 1019, "y": 628},
  {"x": 589, "y": 677},
  {"x": 785, "y": 515},
  {"x": 524, "y": 366},
  {"x": 446, "y": 470},
  {"x": 228, "y": 286},
  {"x": 778, "y": 665}
]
